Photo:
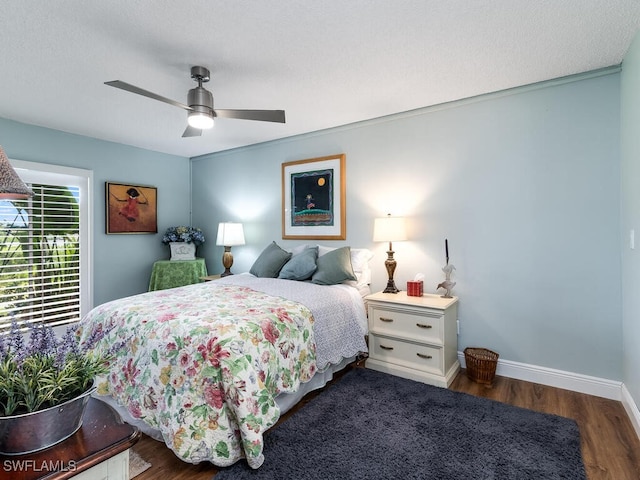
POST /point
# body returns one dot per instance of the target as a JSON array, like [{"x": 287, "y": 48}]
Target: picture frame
[
  {"x": 131, "y": 208},
  {"x": 313, "y": 198}
]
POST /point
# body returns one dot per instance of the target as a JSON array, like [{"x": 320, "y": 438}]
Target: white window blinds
[{"x": 41, "y": 255}]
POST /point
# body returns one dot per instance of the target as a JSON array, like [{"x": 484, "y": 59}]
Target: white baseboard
[
  {"x": 576, "y": 382},
  {"x": 632, "y": 409}
]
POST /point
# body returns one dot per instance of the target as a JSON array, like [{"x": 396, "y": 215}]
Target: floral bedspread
[{"x": 203, "y": 364}]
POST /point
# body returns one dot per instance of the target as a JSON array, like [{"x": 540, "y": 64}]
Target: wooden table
[{"x": 102, "y": 437}]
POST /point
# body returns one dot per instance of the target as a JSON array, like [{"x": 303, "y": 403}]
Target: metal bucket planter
[{"x": 30, "y": 432}]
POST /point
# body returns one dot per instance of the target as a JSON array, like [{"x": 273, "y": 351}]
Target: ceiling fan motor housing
[{"x": 201, "y": 100}]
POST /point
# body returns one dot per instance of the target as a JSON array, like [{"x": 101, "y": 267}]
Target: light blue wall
[
  {"x": 524, "y": 184},
  {"x": 122, "y": 263},
  {"x": 630, "y": 218}
]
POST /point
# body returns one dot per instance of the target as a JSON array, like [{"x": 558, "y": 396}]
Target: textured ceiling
[{"x": 325, "y": 62}]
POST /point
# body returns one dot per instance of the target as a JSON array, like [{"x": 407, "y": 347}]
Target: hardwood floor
[{"x": 610, "y": 446}]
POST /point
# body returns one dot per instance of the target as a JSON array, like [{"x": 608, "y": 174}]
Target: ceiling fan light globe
[{"x": 200, "y": 120}]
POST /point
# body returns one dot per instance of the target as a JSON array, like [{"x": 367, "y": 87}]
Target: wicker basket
[{"x": 481, "y": 364}]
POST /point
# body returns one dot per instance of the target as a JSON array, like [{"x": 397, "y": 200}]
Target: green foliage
[{"x": 45, "y": 372}]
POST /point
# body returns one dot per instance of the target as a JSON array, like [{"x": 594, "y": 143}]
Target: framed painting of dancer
[
  {"x": 313, "y": 199},
  {"x": 131, "y": 208}
]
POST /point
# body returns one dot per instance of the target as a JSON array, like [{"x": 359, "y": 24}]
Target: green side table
[{"x": 176, "y": 273}]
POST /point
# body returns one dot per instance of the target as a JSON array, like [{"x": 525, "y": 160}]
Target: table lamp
[
  {"x": 390, "y": 229},
  {"x": 229, "y": 235}
]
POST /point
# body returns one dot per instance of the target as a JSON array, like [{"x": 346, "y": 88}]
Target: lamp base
[
  {"x": 227, "y": 262},
  {"x": 391, "y": 287},
  {"x": 390, "y": 265}
]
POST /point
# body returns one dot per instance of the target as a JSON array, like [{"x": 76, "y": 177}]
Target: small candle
[{"x": 446, "y": 248}]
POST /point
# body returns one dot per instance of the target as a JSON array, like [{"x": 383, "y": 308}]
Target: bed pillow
[
  {"x": 360, "y": 258},
  {"x": 301, "y": 266},
  {"x": 270, "y": 261},
  {"x": 334, "y": 267},
  {"x": 298, "y": 249}
]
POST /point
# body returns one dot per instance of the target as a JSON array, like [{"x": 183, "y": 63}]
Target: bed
[{"x": 208, "y": 368}]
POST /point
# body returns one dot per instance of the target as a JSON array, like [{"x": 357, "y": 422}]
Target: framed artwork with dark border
[
  {"x": 131, "y": 208},
  {"x": 313, "y": 199}
]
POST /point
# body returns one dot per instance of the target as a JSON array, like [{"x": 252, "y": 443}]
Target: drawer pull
[
  {"x": 383, "y": 319},
  {"x": 386, "y": 348},
  {"x": 426, "y": 357},
  {"x": 422, "y": 325}
]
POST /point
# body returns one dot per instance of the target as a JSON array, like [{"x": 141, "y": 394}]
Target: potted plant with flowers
[
  {"x": 183, "y": 242},
  {"x": 45, "y": 384}
]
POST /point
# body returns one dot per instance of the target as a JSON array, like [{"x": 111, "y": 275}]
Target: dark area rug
[{"x": 371, "y": 425}]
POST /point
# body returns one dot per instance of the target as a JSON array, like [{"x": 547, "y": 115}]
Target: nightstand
[
  {"x": 414, "y": 337},
  {"x": 209, "y": 278}
]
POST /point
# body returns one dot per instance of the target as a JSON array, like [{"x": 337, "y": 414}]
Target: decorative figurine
[{"x": 447, "y": 269}]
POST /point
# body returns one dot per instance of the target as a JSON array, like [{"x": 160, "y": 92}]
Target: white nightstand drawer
[
  {"x": 408, "y": 324},
  {"x": 413, "y": 337},
  {"x": 426, "y": 358}
]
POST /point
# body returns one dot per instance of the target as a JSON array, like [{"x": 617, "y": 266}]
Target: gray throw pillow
[
  {"x": 334, "y": 267},
  {"x": 301, "y": 266},
  {"x": 270, "y": 261}
]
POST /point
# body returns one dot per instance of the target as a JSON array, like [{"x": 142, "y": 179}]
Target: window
[{"x": 45, "y": 247}]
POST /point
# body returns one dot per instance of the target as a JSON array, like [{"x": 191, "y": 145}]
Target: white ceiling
[{"x": 325, "y": 62}]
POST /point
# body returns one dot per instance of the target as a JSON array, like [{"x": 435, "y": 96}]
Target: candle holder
[{"x": 447, "y": 284}]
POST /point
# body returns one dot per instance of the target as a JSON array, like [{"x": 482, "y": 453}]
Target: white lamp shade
[
  {"x": 230, "y": 234},
  {"x": 389, "y": 229}
]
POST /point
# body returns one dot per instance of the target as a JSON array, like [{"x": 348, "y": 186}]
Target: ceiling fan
[{"x": 200, "y": 107}]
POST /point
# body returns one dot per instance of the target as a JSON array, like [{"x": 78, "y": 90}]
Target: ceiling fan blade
[
  {"x": 133, "y": 89},
  {"x": 192, "y": 132},
  {"x": 260, "y": 115}
]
